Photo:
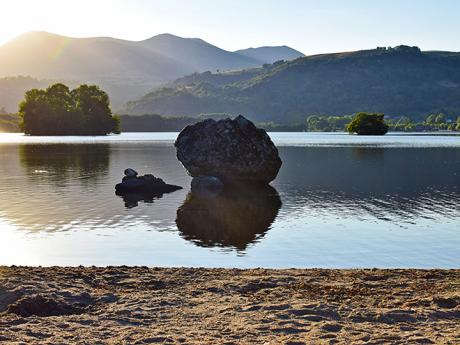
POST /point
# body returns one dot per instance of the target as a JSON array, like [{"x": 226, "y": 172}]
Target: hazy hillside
[
  {"x": 396, "y": 81},
  {"x": 115, "y": 64},
  {"x": 12, "y": 91},
  {"x": 126, "y": 69},
  {"x": 270, "y": 54}
]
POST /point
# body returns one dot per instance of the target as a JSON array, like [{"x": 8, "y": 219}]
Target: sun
[
  {"x": 70, "y": 18},
  {"x": 20, "y": 16}
]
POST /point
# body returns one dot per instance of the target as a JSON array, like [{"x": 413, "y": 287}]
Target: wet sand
[{"x": 139, "y": 305}]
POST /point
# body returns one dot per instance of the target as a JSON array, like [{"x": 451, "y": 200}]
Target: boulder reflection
[{"x": 235, "y": 218}]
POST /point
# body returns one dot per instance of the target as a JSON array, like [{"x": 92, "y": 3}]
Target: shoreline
[{"x": 140, "y": 305}]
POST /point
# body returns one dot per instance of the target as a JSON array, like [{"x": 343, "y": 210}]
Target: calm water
[{"x": 339, "y": 201}]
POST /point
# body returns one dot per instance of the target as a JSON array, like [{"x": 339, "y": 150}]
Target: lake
[{"x": 339, "y": 201}]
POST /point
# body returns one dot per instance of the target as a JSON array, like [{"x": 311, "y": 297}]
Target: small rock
[
  {"x": 39, "y": 305},
  {"x": 131, "y": 183},
  {"x": 331, "y": 327},
  {"x": 130, "y": 172},
  {"x": 447, "y": 303}
]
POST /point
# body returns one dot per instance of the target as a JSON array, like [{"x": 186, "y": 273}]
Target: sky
[{"x": 311, "y": 26}]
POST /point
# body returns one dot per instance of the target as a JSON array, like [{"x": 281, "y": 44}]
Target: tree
[
  {"x": 440, "y": 118},
  {"x": 58, "y": 110},
  {"x": 368, "y": 124},
  {"x": 94, "y": 108},
  {"x": 317, "y": 124},
  {"x": 431, "y": 119}
]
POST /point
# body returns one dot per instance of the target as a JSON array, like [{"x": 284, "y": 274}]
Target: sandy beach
[{"x": 140, "y": 305}]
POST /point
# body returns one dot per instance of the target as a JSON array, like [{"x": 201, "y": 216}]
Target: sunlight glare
[
  {"x": 62, "y": 17},
  {"x": 14, "y": 249}
]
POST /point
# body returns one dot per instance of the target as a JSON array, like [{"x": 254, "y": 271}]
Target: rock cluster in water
[
  {"x": 233, "y": 150},
  {"x": 132, "y": 183}
]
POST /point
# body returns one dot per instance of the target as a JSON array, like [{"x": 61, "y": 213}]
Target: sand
[{"x": 139, "y": 305}]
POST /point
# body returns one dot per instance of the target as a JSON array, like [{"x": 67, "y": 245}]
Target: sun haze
[{"x": 310, "y": 26}]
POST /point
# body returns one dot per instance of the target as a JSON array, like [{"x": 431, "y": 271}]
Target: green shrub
[{"x": 368, "y": 124}]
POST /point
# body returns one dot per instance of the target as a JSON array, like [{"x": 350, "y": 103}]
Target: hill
[
  {"x": 12, "y": 91},
  {"x": 396, "y": 81},
  {"x": 270, "y": 54},
  {"x": 197, "y": 54},
  {"x": 125, "y": 69}
]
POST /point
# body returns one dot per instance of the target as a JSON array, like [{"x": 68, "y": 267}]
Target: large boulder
[{"x": 232, "y": 150}]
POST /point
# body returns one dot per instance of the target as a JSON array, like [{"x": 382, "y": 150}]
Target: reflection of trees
[
  {"x": 235, "y": 218},
  {"x": 386, "y": 183},
  {"x": 61, "y": 162},
  {"x": 63, "y": 187},
  {"x": 55, "y": 187}
]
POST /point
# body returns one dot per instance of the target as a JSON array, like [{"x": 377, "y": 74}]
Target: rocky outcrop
[
  {"x": 147, "y": 183},
  {"x": 232, "y": 150}
]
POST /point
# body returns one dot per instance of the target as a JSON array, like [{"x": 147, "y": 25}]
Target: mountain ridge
[
  {"x": 126, "y": 69},
  {"x": 271, "y": 54}
]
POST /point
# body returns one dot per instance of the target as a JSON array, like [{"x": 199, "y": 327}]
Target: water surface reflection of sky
[{"x": 332, "y": 205}]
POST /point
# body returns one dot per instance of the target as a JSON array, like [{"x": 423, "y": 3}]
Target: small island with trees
[
  {"x": 367, "y": 124},
  {"x": 57, "y": 110}
]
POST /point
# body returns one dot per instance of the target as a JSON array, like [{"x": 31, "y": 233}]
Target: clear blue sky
[{"x": 312, "y": 26}]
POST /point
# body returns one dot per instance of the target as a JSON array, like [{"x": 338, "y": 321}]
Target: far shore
[{"x": 140, "y": 305}]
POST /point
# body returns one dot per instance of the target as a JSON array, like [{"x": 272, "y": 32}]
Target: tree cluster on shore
[
  {"x": 57, "y": 110},
  {"x": 431, "y": 123},
  {"x": 158, "y": 123},
  {"x": 313, "y": 123}
]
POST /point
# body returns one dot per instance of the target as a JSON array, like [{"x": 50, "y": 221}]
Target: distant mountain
[
  {"x": 270, "y": 54},
  {"x": 126, "y": 69},
  {"x": 197, "y": 54},
  {"x": 396, "y": 81},
  {"x": 45, "y": 55}
]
